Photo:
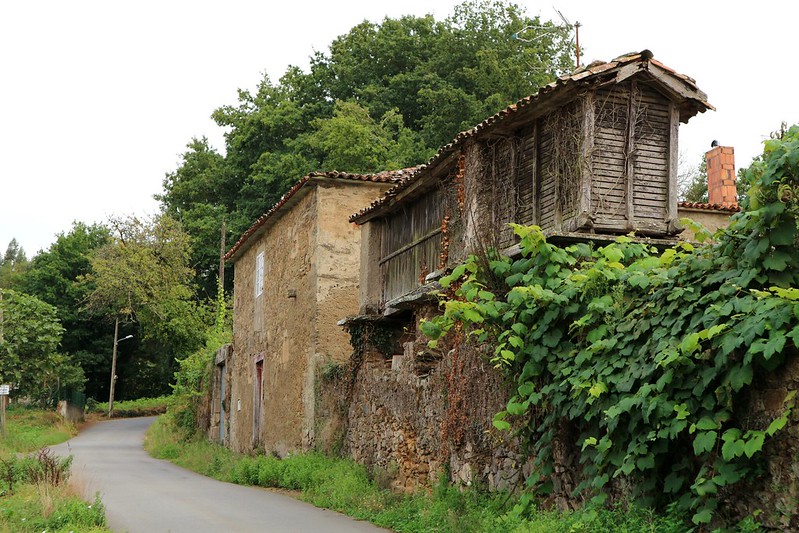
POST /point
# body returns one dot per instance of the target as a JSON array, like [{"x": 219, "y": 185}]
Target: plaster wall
[{"x": 711, "y": 220}]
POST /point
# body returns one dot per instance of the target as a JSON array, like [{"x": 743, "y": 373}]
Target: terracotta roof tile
[
  {"x": 597, "y": 70},
  {"x": 388, "y": 176},
  {"x": 734, "y": 208}
]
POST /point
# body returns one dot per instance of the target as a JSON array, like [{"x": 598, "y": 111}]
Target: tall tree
[
  {"x": 53, "y": 277},
  {"x": 13, "y": 264},
  {"x": 29, "y": 336},
  {"x": 385, "y": 95},
  {"x": 142, "y": 277},
  {"x": 198, "y": 195}
]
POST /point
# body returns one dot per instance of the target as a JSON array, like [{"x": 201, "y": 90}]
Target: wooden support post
[
  {"x": 3, "y": 415},
  {"x": 672, "y": 215},
  {"x": 584, "y": 218}
]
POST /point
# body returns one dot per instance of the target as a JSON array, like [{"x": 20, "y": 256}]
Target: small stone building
[
  {"x": 296, "y": 273},
  {"x": 590, "y": 156}
]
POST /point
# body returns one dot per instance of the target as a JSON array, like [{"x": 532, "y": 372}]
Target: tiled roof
[
  {"x": 734, "y": 208},
  {"x": 388, "y": 176},
  {"x": 588, "y": 74}
]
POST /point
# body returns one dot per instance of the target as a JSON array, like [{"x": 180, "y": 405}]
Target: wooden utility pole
[
  {"x": 113, "y": 369},
  {"x": 222, "y": 257}
]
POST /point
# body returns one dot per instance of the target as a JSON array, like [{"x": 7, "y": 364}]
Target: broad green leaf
[
  {"x": 754, "y": 444},
  {"x": 702, "y": 517},
  {"x": 704, "y": 442}
]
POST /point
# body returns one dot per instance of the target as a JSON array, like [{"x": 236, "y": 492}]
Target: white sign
[{"x": 4, "y": 390}]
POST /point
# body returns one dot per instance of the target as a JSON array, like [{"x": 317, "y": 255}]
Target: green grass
[
  {"x": 27, "y": 507},
  {"x": 132, "y": 408},
  {"x": 347, "y": 487},
  {"x": 30, "y": 429}
]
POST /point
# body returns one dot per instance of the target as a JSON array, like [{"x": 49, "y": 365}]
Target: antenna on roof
[{"x": 576, "y": 27}]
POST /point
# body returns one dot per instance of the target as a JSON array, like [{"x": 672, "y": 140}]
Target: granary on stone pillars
[
  {"x": 296, "y": 270},
  {"x": 592, "y": 153},
  {"x": 590, "y": 156}
]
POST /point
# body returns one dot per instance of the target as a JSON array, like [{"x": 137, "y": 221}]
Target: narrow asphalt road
[{"x": 142, "y": 494}]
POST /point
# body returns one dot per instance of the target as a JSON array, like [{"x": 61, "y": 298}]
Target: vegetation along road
[{"x": 142, "y": 494}]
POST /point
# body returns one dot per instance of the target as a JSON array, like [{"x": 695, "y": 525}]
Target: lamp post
[{"x": 114, "y": 366}]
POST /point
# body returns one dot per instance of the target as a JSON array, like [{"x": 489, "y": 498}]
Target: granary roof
[
  {"x": 288, "y": 199},
  {"x": 682, "y": 89}
]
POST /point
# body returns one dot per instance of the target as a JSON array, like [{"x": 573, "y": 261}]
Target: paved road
[{"x": 142, "y": 494}]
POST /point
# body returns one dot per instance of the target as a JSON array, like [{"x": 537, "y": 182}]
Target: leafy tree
[
  {"x": 197, "y": 195},
  {"x": 383, "y": 96},
  {"x": 13, "y": 264},
  {"x": 693, "y": 183},
  {"x": 141, "y": 277},
  {"x": 54, "y": 277},
  {"x": 29, "y": 338}
]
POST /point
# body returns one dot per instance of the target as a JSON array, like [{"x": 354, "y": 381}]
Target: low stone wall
[{"x": 70, "y": 411}]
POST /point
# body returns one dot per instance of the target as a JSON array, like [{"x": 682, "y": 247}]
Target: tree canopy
[
  {"x": 29, "y": 337},
  {"x": 385, "y": 95},
  {"x": 12, "y": 264},
  {"x": 53, "y": 277},
  {"x": 141, "y": 277}
]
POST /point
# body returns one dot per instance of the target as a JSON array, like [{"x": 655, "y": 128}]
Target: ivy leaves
[{"x": 645, "y": 352}]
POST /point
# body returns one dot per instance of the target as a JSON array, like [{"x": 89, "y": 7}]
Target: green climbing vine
[{"x": 646, "y": 353}]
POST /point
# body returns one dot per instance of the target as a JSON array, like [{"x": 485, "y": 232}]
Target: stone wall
[
  {"x": 774, "y": 496},
  {"x": 416, "y": 413},
  {"x": 710, "y": 219},
  {"x": 311, "y": 265},
  {"x": 275, "y": 328}
]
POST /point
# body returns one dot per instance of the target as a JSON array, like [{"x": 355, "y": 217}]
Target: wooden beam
[
  {"x": 586, "y": 163},
  {"x": 410, "y": 245},
  {"x": 629, "y": 151},
  {"x": 671, "y": 208}
]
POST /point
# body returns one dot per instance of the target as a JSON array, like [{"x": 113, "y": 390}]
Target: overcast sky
[{"x": 99, "y": 98}]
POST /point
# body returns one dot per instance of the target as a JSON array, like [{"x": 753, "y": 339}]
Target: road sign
[{"x": 4, "y": 389}]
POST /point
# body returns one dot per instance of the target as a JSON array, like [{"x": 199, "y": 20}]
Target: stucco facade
[{"x": 296, "y": 272}]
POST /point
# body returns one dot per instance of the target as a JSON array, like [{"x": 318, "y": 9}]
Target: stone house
[
  {"x": 296, "y": 271},
  {"x": 590, "y": 156}
]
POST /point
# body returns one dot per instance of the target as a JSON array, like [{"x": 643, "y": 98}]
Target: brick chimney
[{"x": 721, "y": 187}]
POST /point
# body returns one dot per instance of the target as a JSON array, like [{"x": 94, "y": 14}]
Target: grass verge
[
  {"x": 130, "y": 408},
  {"x": 36, "y": 492},
  {"x": 348, "y": 487},
  {"x": 30, "y": 429}
]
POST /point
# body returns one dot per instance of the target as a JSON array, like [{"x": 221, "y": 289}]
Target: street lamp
[{"x": 114, "y": 366}]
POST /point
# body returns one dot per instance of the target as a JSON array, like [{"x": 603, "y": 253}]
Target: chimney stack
[{"x": 721, "y": 187}]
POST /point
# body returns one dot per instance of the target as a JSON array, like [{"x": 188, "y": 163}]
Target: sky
[{"x": 98, "y": 99}]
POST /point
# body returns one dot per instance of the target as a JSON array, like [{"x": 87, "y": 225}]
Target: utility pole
[
  {"x": 114, "y": 366},
  {"x": 222, "y": 257}
]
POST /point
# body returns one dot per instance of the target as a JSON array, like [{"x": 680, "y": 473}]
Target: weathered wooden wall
[{"x": 411, "y": 244}]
